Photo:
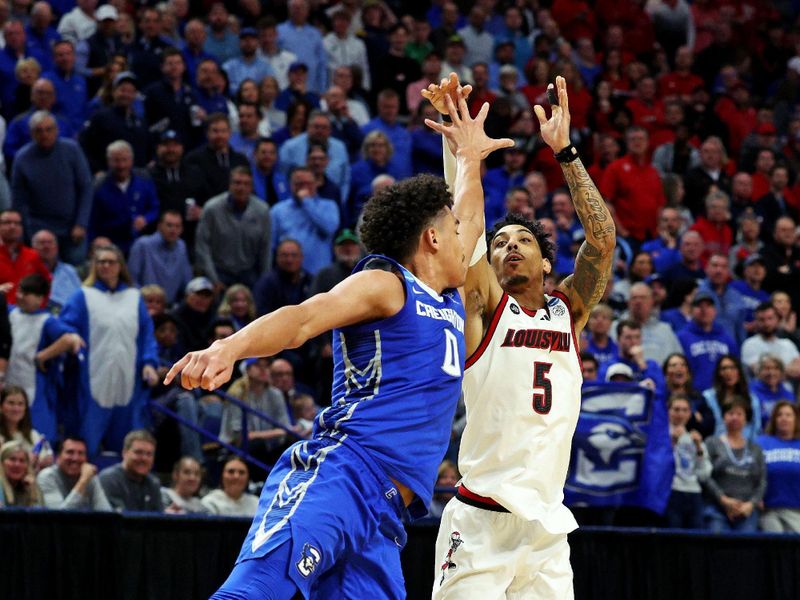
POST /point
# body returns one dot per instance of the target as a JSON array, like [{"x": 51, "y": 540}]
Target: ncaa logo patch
[
  {"x": 514, "y": 308},
  {"x": 559, "y": 310},
  {"x": 309, "y": 560}
]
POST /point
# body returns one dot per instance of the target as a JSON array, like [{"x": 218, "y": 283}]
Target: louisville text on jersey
[{"x": 543, "y": 339}]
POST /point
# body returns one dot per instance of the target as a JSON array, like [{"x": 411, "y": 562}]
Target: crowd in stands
[{"x": 171, "y": 171}]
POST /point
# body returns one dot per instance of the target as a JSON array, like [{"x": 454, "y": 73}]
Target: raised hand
[
  {"x": 466, "y": 136},
  {"x": 450, "y": 86},
  {"x": 207, "y": 369},
  {"x": 555, "y": 130}
]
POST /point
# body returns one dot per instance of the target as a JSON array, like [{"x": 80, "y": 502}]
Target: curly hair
[
  {"x": 546, "y": 246},
  {"x": 395, "y": 217}
]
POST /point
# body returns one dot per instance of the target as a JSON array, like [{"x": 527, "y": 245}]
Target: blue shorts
[{"x": 328, "y": 521}]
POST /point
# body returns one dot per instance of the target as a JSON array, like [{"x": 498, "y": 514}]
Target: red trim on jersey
[
  {"x": 489, "y": 332},
  {"x": 563, "y": 297},
  {"x": 478, "y": 500}
]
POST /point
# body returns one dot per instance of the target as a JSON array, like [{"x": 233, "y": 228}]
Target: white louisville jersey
[{"x": 522, "y": 390}]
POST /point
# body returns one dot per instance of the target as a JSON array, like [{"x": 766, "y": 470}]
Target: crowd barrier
[{"x": 67, "y": 555}]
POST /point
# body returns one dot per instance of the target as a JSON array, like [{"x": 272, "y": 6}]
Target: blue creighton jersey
[{"x": 397, "y": 382}]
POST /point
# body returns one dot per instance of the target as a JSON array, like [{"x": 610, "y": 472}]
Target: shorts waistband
[{"x": 478, "y": 501}]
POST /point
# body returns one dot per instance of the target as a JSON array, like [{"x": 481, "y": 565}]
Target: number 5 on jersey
[
  {"x": 451, "y": 364},
  {"x": 542, "y": 400}
]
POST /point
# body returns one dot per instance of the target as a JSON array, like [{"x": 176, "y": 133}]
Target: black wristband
[
  {"x": 567, "y": 155},
  {"x": 446, "y": 118}
]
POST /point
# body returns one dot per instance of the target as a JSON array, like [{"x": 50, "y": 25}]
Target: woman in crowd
[
  {"x": 781, "y": 446},
  {"x": 735, "y": 488},
  {"x": 110, "y": 394},
  {"x": 729, "y": 381},
  {"x": 376, "y": 159},
  {"x": 16, "y": 426},
  {"x": 17, "y": 482},
  {"x": 232, "y": 499},
  {"x": 296, "y": 122},
  {"x": 641, "y": 268},
  {"x": 447, "y": 476},
  {"x": 788, "y": 318},
  {"x": 181, "y": 498},
  {"x": 238, "y": 305},
  {"x": 692, "y": 466},
  {"x": 767, "y": 389},
  {"x": 678, "y": 376}
]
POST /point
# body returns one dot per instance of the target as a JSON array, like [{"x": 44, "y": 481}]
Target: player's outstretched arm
[
  {"x": 593, "y": 264},
  {"x": 365, "y": 296}
]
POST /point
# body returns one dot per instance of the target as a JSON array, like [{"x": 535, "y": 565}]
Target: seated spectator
[
  {"x": 597, "y": 338},
  {"x": 106, "y": 392},
  {"x": 287, "y": 283},
  {"x": 376, "y": 159},
  {"x": 704, "y": 340},
  {"x": 216, "y": 159},
  {"x": 781, "y": 446},
  {"x": 16, "y": 259},
  {"x": 778, "y": 201},
  {"x": 155, "y": 299},
  {"x": 714, "y": 226},
  {"x": 222, "y": 41},
  {"x": 690, "y": 266},
  {"x": 640, "y": 269},
  {"x": 685, "y": 506},
  {"x": 386, "y": 121},
  {"x": 317, "y": 161},
  {"x": 265, "y": 440},
  {"x": 16, "y": 425},
  {"x": 17, "y": 482},
  {"x": 269, "y": 182},
  {"x": 783, "y": 260},
  {"x": 233, "y": 237},
  {"x": 308, "y": 219},
  {"x": 118, "y": 121},
  {"x": 787, "y": 323},
  {"x": 446, "y": 477},
  {"x": 238, "y": 306},
  {"x": 102, "y": 46},
  {"x": 590, "y": 369},
  {"x": 426, "y": 144},
  {"x": 181, "y": 498},
  {"x": 125, "y": 202},
  {"x": 71, "y": 483},
  {"x": 658, "y": 339},
  {"x": 281, "y": 374},
  {"x": 195, "y": 313},
  {"x": 730, "y": 305},
  {"x": 298, "y": 89},
  {"x": 754, "y": 271},
  {"x": 232, "y": 499},
  {"x": 248, "y": 65},
  {"x": 161, "y": 258},
  {"x": 193, "y": 53},
  {"x": 767, "y": 341},
  {"x": 631, "y": 355},
  {"x": 37, "y": 338},
  {"x": 678, "y": 377},
  {"x": 146, "y": 51},
  {"x": 768, "y": 387},
  {"x": 296, "y": 122},
  {"x": 738, "y": 479},
  {"x": 678, "y": 307},
  {"x": 304, "y": 411},
  {"x": 245, "y": 139},
  {"x": 65, "y": 278},
  {"x": 710, "y": 171},
  {"x": 345, "y": 124},
  {"x": 211, "y": 87},
  {"x": 130, "y": 485},
  {"x": 664, "y": 248}
]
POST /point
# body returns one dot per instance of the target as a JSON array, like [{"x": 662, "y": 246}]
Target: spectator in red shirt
[
  {"x": 606, "y": 152},
  {"x": 680, "y": 82},
  {"x": 632, "y": 185},
  {"x": 714, "y": 227},
  {"x": 16, "y": 259},
  {"x": 646, "y": 108},
  {"x": 738, "y": 115},
  {"x": 765, "y": 161},
  {"x": 480, "y": 88},
  {"x": 575, "y": 18}
]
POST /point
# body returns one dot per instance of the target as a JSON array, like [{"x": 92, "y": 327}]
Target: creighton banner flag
[{"x": 621, "y": 452}]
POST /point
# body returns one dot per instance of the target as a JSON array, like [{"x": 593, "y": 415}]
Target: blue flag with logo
[{"x": 621, "y": 451}]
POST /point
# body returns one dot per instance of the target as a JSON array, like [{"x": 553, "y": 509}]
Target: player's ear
[
  {"x": 430, "y": 238},
  {"x": 546, "y": 266}
]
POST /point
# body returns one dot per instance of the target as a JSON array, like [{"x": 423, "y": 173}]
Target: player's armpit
[
  {"x": 482, "y": 293},
  {"x": 586, "y": 285}
]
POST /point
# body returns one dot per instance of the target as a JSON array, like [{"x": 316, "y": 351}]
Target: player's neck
[
  {"x": 428, "y": 272},
  {"x": 530, "y": 296}
]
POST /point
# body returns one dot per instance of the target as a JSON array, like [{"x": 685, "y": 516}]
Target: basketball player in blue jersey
[
  {"x": 504, "y": 535},
  {"x": 329, "y": 518}
]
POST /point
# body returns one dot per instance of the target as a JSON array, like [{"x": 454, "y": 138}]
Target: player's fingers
[
  {"x": 426, "y": 94},
  {"x": 540, "y": 114},
  {"x": 563, "y": 99},
  {"x": 466, "y": 90},
  {"x": 502, "y": 143},
  {"x": 436, "y": 126},
  {"x": 443, "y": 83},
  {"x": 481, "y": 117},
  {"x": 209, "y": 378},
  {"x": 176, "y": 368},
  {"x": 451, "y": 108},
  {"x": 462, "y": 106}
]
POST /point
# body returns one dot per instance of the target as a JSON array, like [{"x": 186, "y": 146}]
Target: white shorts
[{"x": 493, "y": 555}]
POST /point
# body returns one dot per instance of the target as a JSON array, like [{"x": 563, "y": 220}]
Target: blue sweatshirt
[
  {"x": 703, "y": 350},
  {"x": 783, "y": 472}
]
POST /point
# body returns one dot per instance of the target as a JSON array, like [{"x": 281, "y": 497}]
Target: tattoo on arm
[
  {"x": 589, "y": 205},
  {"x": 592, "y": 272}
]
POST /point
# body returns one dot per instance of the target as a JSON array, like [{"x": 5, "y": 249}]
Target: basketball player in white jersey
[{"x": 504, "y": 535}]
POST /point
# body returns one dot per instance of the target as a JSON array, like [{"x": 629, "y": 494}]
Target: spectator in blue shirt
[
  {"x": 317, "y": 161},
  {"x": 161, "y": 257},
  {"x": 124, "y": 202},
  {"x": 664, "y": 248},
  {"x": 426, "y": 144},
  {"x": 305, "y": 41},
  {"x": 194, "y": 52},
  {"x": 210, "y": 87},
  {"x": 244, "y": 141},
  {"x": 297, "y": 90},
  {"x": 754, "y": 271},
  {"x": 65, "y": 277},
  {"x": 288, "y": 283},
  {"x": 16, "y": 48},
  {"x": 308, "y": 219},
  {"x": 386, "y": 121},
  {"x": 598, "y": 341},
  {"x": 704, "y": 340},
  {"x": 71, "y": 95},
  {"x": 631, "y": 353},
  {"x": 269, "y": 182},
  {"x": 498, "y": 181},
  {"x": 781, "y": 446},
  {"x": 377, "y": 159},
  {"x": 248, "y": 65},
  {"x": 731, "y": 307},
  {"x": 294, "y": 152},
  {"x": 41, "y": 35},
  {"x": 221, "y": 43}
]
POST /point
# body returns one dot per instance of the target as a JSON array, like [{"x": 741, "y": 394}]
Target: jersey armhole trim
[
  {"x": 563, "y": 297},
  {"x": 487, "y": 337}
]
